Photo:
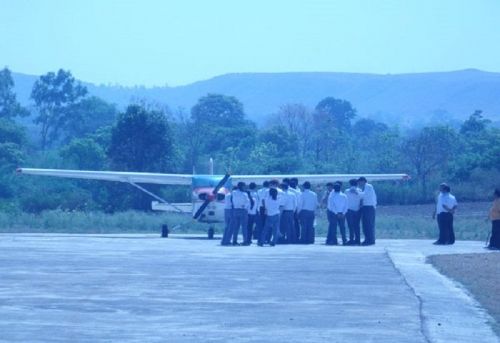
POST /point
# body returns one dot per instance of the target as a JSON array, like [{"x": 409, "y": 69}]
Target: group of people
[{"x": 282, "y": 213}]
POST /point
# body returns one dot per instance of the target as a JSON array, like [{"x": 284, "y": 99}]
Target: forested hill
[{"x": 403, "y": 98}]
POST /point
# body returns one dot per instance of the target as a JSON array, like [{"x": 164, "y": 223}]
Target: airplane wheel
[{"x": 211, "y": 233}]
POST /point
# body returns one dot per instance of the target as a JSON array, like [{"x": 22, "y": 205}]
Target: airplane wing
[
  {"x": 128, "y": 177},
  {"x": 318, "y": 178},
  {"x": 187, "y": 179}
]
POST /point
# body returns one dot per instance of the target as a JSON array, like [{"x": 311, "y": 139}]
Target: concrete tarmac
[{"x": 142, "y": 288}]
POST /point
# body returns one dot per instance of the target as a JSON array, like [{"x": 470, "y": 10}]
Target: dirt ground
[{"x": 479, "y": 274}]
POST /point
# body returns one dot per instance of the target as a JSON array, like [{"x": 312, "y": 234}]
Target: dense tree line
[{"x": 80, "y": 131}]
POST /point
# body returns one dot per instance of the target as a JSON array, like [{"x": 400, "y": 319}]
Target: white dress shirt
[
  {"x": 353, "y": 198},
  {"x": 261, "y": 195},
  {"x": 240, "y": 200},
  {"x": 272, "y": 206},
  {"x": 337, "y": 202},
  {"x": 445, "y": 199},
  {"x": 308, "y": 200},
  {"x": 289, "y": 200},
  {"x": 368, "y": 196},
  {"x": 298, "y": 195},
  {"x": 228, "y": 205}
]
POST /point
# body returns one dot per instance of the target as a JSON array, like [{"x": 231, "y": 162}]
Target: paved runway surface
[{"x": 141, "y": 288}]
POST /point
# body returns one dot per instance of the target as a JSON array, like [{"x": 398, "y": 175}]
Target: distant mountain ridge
[{"x": 405, "y": 99}]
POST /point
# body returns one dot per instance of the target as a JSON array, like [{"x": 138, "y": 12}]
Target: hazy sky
[{"x": 177, "y": 42}]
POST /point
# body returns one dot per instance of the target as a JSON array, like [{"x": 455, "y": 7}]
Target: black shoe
[
  {"x": 438, "y": 243},
  {"x": 349, "y": 242},
  {"x": 272, "y": 244},
  {"x": 365, "y": 243},
  {"x": 489, "y": 247},
  {"x": 260, "y": 244}
]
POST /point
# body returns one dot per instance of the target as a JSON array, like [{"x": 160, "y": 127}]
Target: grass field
[{"x": 392, "y": 222}]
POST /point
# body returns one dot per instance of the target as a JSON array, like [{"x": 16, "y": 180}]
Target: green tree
[
  {"x": 475, "y": 124},
  {"x": 141, "y": 141},
  {"x": 480, "y": 147},
  {"x": 377, "y": 147},
  {"x": 9, "y": 106},
  {"x": 429, "y": 152},
  {"x": 56, "y": 96},
  {"x": 84, "y": 154},
  {"x": 218, "y": 109},
  {"x": 218, "y": 128},
  {"x": 339, "y": 111},
  {"x": 88, "y": 115},
  {"x": 12, "y": 154}
]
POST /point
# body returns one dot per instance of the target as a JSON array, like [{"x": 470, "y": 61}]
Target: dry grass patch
[{"x": 479, "y": 274}]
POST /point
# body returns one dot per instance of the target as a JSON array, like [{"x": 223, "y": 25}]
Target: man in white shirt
[
  {"x": 369, "y": 203},
  {"x": 252, "y": 212},
  {"x": 228, "y": 216},
  {"x": 353, "y": 217},
  {"x": 324, "y": 199},
  {"x": 445, "y": 208},
  {"x": 261, "y": 215},
  {"x": 308, "y": 203},
  {"x": 294, "y": 187},
  {"x": 337, "y": 208},
  {"x": 241, "y": 204},
  {"x": 287, "y": 225}
]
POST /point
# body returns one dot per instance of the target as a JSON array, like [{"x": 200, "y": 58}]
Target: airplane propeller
[{"x": 209, "y": 199}]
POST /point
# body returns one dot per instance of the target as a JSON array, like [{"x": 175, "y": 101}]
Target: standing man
[
  {"x": 324, "y": 199},
  {"x": 228, "y": 216},
  {"x": 287, "y": 225},
  {"x": 337, "y": 209},
  {"x": 445, "y": 208},
  {"x": 241, "y": 204},
  {"x": 294, "y": 187},
  {"x": 369, "y": 203},
  {"x": 353, "y": 214},
  {"x": 308, "y": 203},
  {"x": 252, "y": 212},
  {"x": 261, "y": 215}
]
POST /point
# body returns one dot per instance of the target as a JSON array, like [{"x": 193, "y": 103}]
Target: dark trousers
[
  {"x": 271, "y": 229},
  {"x": 307, "y": 227},
  {"x": 333, "y": 221},
  {"x": 240, "y": 219},
  {"x": 445, "y": 225},
  {"x": 296, "y": 222},
  {"x": 287, "y": 227},
  {"x": 353, "y": 223},
  {"x": 495, "y": 234},
  {"x": 259, "y": 224},
  {"x": 368, "y": 221},
  {"x": 252, "y": 219},
  {"x": 228, "y": 229}
]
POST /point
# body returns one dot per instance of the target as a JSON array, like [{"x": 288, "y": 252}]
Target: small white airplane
[{"x": 208, "y": 191}]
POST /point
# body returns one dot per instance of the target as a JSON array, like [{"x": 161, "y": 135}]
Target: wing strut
[{"x": 155, "y": 196}]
